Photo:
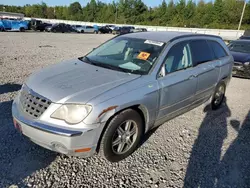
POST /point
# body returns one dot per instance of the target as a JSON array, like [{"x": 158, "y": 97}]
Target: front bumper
[
  {"x": 70, "y": 142},
  {"x": 240, "y": 70}
]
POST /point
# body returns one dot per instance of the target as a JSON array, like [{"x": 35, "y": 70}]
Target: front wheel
[
  {"x": 218, "y": 96},
  {"x": 122, "y": 136}
]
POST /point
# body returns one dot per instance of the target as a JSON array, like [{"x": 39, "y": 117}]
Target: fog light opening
[{"x": 59, "y": 147}]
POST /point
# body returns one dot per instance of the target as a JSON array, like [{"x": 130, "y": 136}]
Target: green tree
[
  {"x": 75, "y": 11},
  {"x": 189, "y": 14}
]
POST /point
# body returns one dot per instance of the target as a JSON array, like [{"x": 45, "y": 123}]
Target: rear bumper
[{"x": 70, "y": 142}]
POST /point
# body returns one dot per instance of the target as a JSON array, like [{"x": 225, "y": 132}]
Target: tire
[
  {"x": 22, "y": 29},
  {"x": 218, "y": 96},
  {"x": 112, "y": 133},
  {"x": 82, "y": 31}
]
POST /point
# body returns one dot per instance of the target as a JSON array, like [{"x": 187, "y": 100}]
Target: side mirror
[{"x": 162, "y": 72}]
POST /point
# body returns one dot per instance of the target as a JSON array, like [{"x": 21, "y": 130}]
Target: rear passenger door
[{"x": 207, "y": 69}]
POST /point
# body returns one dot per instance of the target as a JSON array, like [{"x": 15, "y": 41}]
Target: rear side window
[
  {"x": 201, "y": 52},
  {"x": 219, "y": 51}
]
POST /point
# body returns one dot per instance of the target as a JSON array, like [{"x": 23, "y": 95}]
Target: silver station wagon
[{"x": 107, "y": 100}]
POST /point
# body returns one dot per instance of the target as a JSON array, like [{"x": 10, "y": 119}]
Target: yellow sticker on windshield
[{"x": 143, "y": 55}]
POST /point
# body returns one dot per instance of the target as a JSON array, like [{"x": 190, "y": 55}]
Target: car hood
[
  {"x": 240, "y": 57},
  {"x": 75, "y": 81}
]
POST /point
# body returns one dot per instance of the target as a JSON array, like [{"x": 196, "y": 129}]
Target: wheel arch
[{"x": 141, "y": 109}]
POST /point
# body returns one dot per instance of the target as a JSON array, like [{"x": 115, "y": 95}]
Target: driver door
[{"x": 177, "y": 83}]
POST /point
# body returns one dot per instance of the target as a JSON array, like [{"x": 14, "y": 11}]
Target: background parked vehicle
[
  {"x": 116, "y": 30},
  {"x": 112, "y": 27},
  {"x": 78, "y": 28},
  {"x": 104, "y": 29},
  {"x": 84, "y": 29},
  {"x": 96, "y": 28},
  {"x": 245, "y": 37},
  {"x": 240, "y": 49},
  {"x": 48, "y": 28},
  {"x": 13, "y": 25},
  {"x": 70, "y": 28},
  {"x": 61, "y": 28},
  {"x": 121, "y": 30},
  {"x": 38, "y": 25},
  {"x": 139, "y": 30}
]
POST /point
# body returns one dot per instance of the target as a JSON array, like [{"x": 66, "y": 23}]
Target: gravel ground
[{"x": 201, "y": 148}]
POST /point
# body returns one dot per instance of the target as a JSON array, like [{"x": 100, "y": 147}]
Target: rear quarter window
[
  {"x": 201, "y": 52},
  {"x": 218, "y": 50}
]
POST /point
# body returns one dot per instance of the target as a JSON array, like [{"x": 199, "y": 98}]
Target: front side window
[
  {"x": 239, "y": 46},
  {"x": 201, "y": 52},
  {"x": 126, "y": 54},
  {"x": 178, "y": 58}
]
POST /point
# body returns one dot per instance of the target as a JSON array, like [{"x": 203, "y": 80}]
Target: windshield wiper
[
  {"x": 112, "y": 67},
  {"x": 86, "y": 59}
]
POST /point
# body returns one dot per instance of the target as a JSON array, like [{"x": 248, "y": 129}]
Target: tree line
[{"x": 223, "y": 14}]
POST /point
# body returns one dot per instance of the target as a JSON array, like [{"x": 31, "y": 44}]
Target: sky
[{"x": 151, "y": 3}]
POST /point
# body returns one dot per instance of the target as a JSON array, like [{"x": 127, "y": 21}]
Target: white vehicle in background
[{"x": 84, "y": 29}]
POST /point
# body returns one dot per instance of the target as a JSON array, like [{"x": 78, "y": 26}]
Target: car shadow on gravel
[
  {"x": 6, "y": 88},
  {"x": 234, "y": 170},
  {"x": 19, "y": 157},
  {"x": 204, "y": 160}
]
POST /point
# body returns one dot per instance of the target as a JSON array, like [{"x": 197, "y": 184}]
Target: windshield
[
  {"x": 240, "y": 46},
  {"x": 125, "y": 54}
]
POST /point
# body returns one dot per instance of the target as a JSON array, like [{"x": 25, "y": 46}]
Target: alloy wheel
[{"x": 124, "y": 137}]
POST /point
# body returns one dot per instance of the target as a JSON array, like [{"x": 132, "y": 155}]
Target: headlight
[
  {"x": 72, "y": 113},
  {"x": 247, "y": 63}
]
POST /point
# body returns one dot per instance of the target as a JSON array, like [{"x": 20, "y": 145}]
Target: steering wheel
[
  {"x": 144, "y": 64},
  {"x": 141, "y": 61}
]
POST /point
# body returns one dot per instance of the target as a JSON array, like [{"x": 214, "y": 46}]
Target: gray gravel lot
[{"x": 201, "y": 148}]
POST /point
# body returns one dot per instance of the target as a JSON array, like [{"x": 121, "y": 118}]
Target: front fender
[{"x": 146, "y": 98}]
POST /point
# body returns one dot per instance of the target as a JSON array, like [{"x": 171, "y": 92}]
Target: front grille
[{"x": 32, "y": 103}]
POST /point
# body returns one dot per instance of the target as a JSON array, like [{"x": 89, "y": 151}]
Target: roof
[{"x": 163, "y": 36}]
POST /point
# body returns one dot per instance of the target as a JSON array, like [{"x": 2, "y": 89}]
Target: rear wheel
[
  {"x": 22, "y": 29},
  {"x": 82, "y": 31},
  {"x": 218, "y": 96},
  {"x": 122, "y": 136}
]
